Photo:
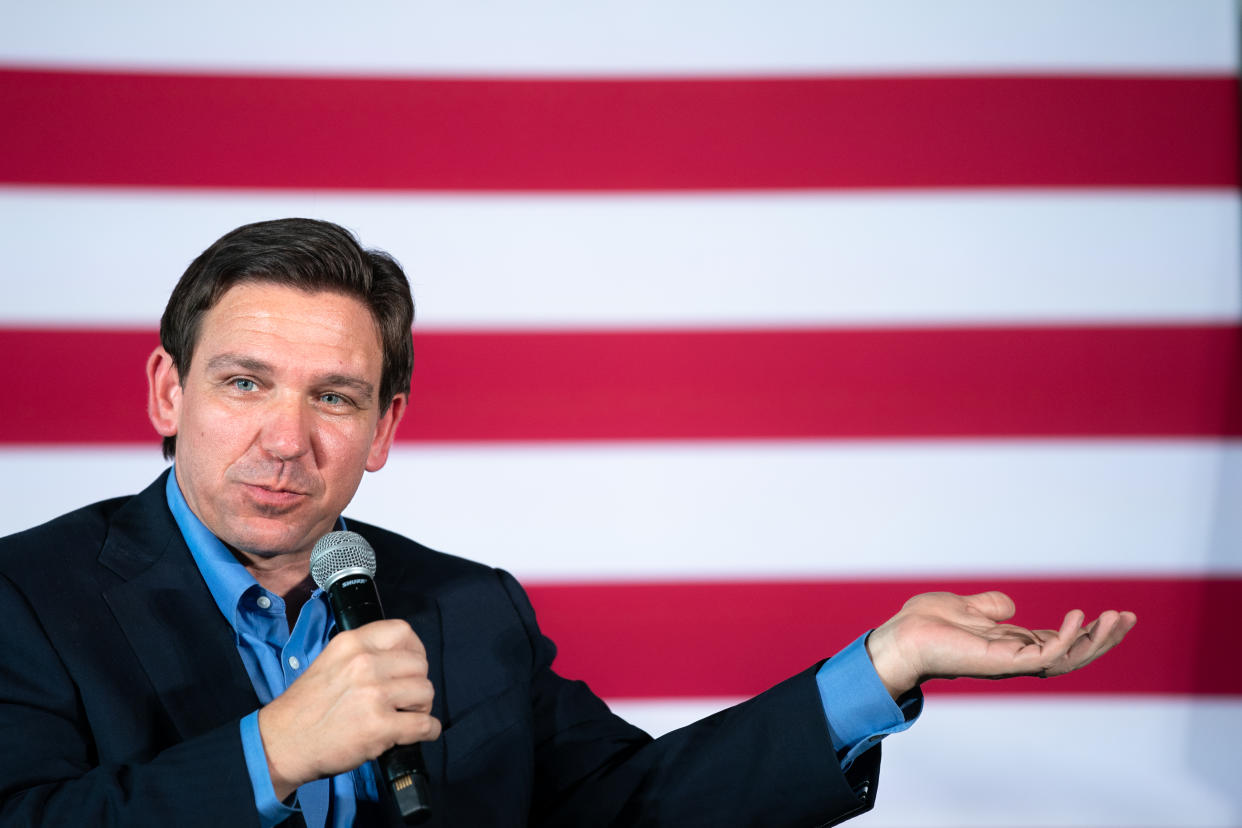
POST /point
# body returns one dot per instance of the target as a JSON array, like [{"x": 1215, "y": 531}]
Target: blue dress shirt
[
  {"x": 858, "y": 709},
  {"x": 274, "y": 656}
]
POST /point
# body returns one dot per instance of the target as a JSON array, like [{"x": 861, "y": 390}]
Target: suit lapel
[{"x": 166, "y": 612}]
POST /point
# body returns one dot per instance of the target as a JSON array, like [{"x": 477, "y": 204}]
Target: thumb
[{"x": 992, "y": 604}]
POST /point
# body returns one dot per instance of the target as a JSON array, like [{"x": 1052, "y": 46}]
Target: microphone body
[
  {"x": 343, "y": 566},
  {"x": 354, "y": 601}
]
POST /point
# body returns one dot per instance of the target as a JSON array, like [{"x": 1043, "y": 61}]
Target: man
[{"x": 168, "y": 661}]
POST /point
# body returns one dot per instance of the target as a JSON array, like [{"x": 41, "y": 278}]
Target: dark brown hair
[{"x": 301, "y": 253}]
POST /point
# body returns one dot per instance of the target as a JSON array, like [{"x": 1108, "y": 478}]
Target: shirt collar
[{"x": 226, "y": 577}]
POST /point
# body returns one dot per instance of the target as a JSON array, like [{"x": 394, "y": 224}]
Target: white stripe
[
  {"x": 766, "y": 510},
  {"x": 693, "y": 260},
  {"x": 634, "y": 37},
  {"x": 1040, "y": 761}
]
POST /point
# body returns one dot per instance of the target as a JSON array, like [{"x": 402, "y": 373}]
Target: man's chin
[
  {"x": 267, "y": 541},
  {"x": 266, "y": 554}
]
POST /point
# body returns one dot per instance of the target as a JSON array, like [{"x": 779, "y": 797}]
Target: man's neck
[{"x": 285, "y": 575}]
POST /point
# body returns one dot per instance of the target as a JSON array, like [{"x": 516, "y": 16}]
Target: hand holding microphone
[{"x": 366, "y": 696}]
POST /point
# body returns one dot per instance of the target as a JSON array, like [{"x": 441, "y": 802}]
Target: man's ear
[
  {"x": 385, "y": 432},
  {"x": 163, "y": 393}
]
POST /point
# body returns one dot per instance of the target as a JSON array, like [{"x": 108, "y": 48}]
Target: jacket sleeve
[
  {"x": 765, "y": 762},
  {"x": 50, "y": 770}
]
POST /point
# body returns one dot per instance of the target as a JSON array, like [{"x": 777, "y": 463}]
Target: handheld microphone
[{"x": 343, "y": 565}]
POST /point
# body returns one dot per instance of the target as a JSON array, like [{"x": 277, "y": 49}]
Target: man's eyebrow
[
  {"x": 230, "y": 361},
  {"x": 363, "y": 388}
]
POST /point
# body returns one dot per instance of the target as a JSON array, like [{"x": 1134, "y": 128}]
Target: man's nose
[{"x": 286, "y": 431}]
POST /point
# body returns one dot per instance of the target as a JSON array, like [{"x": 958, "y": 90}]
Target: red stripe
[
  {"x": 736, "y": 639},
  {"x": 156, "y": 130},
  {"x": 1157, "y": 381}
]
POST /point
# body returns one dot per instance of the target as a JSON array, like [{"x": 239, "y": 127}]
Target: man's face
[{"x": 278, "y": 415}]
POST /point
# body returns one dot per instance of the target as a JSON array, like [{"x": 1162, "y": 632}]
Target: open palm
[{"x": 942, "y": 635}]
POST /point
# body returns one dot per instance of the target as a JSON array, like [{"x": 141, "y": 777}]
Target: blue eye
[
  {"x": 333, "y": 399},
  {"x": 243, "y": 384}
]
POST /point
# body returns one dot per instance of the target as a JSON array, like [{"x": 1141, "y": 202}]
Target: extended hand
[
  {"x": 367, "y": 691},
  {"x": 942, "y": 635}
]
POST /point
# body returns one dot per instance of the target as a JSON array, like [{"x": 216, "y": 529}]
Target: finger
[
  {"x": 1104, "y": 633},
  {"x": 1093, "y": 643},
  {"x": 992, "y": 604},
  {"x": 1071, "y": 626},
  {"x": 397, "y": 664},
  {"x": 1112, "y": 626},
  {"x": 411, "y": 728},
  {"x": 1051, "y": 654},
  {"x": 397, "y": 728},
  {"x": 393, "y": 635},
  {"x": 411, "y": 695},
  {"x": 390, "y": 634},
  {"x": 369, "y": 668}
]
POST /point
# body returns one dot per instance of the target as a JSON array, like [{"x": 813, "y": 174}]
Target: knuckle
[
  {"x": 360, "y": 667},
  {"x": 344, "y": 643}
]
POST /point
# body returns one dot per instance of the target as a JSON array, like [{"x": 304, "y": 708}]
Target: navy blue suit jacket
[{"x": 121, "y": 691}]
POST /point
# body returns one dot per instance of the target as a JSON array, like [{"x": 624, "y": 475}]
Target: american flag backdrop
[{"x": 738, "y": 323}]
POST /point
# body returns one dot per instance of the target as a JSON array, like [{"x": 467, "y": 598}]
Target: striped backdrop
[{"x": 739, "y": 323}]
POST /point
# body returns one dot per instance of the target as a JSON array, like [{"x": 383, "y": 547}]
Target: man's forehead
[
  {"x": 280, "y": 316},
  {"x": 276, "y": 293},
  {"x": 293, "y": 305}
]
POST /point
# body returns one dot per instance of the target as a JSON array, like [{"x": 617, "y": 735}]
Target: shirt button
[
  {"x": 263, "y": 601},
  {"x": 293, "y": 662}
]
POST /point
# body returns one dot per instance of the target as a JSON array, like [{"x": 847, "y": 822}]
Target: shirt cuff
[
  {"x": 271, "y": 810},
  {"x": 859, "y": 710}
]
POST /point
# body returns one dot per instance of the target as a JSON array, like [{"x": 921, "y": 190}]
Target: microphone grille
[{"x": 341, "y": 553}]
